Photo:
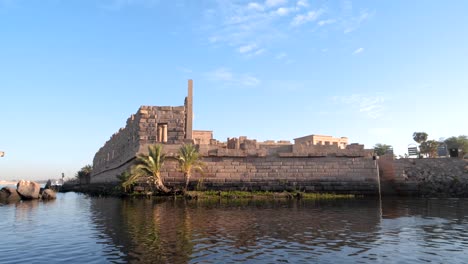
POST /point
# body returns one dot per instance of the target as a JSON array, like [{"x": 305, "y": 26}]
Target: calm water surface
[{"x": 80, "y": 229}]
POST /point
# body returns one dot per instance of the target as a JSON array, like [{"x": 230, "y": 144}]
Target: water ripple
[{"x": 79, "y": 229}]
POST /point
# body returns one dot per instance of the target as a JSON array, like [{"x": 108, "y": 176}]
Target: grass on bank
[{"x": 264, "y": 195}]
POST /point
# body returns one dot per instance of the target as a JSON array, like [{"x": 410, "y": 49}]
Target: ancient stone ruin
[{"x": 311, "y": 163}]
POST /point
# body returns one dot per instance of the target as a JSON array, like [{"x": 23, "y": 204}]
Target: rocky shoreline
[{"x": 26, "y": 190}]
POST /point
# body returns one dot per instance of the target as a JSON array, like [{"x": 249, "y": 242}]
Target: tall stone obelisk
[{"x": 189, "y": 112}]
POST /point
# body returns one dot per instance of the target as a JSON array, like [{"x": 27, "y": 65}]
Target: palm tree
[
  {"x": 83, "y": 175},
  {"x": 189, "y": 160},
  {"x": 150, "y": 166},
  {"x": 126, "y": 180}
]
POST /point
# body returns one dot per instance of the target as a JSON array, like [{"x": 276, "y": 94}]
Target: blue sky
[{"x": 72, "y": 72}]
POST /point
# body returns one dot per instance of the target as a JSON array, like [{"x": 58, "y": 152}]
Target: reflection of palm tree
[
  {"x": 150, "y": 166},
  {"x": 189, "y": 159},
  {"x": 184, "y": 244}
]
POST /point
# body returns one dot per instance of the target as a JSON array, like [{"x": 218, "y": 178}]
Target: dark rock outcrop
[
  {"x": 28, "y": 189},
  {"x": 48, "y": 185},
  {"x": 48, "y": 194},
  {"x": 8, "y": 194}
]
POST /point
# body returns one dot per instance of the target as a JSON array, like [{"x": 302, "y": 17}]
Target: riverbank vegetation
[{"x": 263, "y": 195}]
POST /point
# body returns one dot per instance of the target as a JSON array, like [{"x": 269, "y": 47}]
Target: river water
[{"x": 79, "y": 229}]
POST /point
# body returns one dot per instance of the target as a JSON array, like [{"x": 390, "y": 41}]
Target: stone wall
[
  {"x": 150, "y": 125},
  {"x": 237, "y": 169},
  {"x": 327, "y": 174},
  {"x": 202, "y": 137},
  {"x": 426, "y": 177}
]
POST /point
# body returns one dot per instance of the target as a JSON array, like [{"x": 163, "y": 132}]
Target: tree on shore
[
  {"x": 84, "y": 174},
  {"x": 460, "y": 142},
  {"x": 149, "y": 166},
  {"x": 420, "y": 137},
  {"x": 381, "y": 149},
  {"x": 429, "y": 148},
  {"x": 189, "y": 160},
  {"x": 125, "y": 180}
]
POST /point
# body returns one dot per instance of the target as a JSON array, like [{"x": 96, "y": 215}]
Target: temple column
[
  {"x": 164, "y": 132},
  {"x": 160, "y": 134}
]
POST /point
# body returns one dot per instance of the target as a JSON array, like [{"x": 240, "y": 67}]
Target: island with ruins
[{"x": 312, "y": 163}]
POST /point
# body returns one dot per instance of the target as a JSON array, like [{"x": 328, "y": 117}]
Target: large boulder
[
  {"x": 28, "y": 189},
  {"x": 8, "y": 194},
  {"x": 48, "y": 194}
]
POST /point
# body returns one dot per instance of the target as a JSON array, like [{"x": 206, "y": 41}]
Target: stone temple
[{"x": 311, "y": 163}]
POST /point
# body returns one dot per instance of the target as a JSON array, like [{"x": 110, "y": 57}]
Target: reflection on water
[
  {"x": 285, "y": 231},
  {"x": 76, "y": 228}
]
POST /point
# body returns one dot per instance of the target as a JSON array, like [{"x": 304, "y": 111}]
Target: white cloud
[
  {"x": 304, "y": 18},
  {"x": 281, "y": 56},
  {"x": 120, "y": 4},
  {"x": 371, "y": 106},
  {"x": 283, "y": 11},
  {"x": 220, "y": 74},
  {"x": 357, "y": 51},
  {"x": 237, "y": 24},
  {"x": 250, "y": 50},
  {"x": 355, "y": 22},
  {"x": 302, "y": 3},
  {"x": 229, "y": 78},
  {"x": 273, "y": 3},
  {"x": 255, "y": 6},
  {"x": 326, "y": 22},
  {"x": 247, "y": 48},
  {"x": 248, "y": 80},
  {"x": 259, "y": 51}
]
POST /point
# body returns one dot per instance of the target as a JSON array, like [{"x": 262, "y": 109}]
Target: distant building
[{"x": 341, "y": 142}]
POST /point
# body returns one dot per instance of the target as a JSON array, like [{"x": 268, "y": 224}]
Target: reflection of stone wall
[{"x": 238, "y": 231}]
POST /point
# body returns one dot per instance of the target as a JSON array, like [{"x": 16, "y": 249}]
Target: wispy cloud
[
  {"x": 247, "y": 48},
  {"x": 371, "y": 106},
  {"x": 273, "y": 3},
  {"x": 302, "y": 3},
  {"x": 350, "y": 21},
  {"x": 283, "y": 11},
  {"x": 326, "y": 22},
  {"x": 255, "y": 6},
  {"x": 305, "y": 18},
  {"x": 355, "y": 22},
  {"x": 251, "y": 50},
  {"x": 120, "y": 4},
  {"x": 238, "y": 25},
  {"x": 357, "y": 51},
  {"x": 281, "y": 56},
  {"x": 229, "y": 78}
]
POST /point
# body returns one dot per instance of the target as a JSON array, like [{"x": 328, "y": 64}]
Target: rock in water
[
  {"x": 48, "y": 194},
  {"x": 9, "y": 194},
  {"x": 28, "y": 189}
]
